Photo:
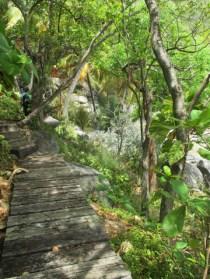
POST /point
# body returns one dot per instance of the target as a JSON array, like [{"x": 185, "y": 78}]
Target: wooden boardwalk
[{"x": 52, "y": 232}]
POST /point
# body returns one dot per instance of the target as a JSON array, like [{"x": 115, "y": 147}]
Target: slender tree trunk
[
  {"x": 147, "y": 154},
  {"x": 174, "y": 87},
  {"x": 91, "y": 93}
]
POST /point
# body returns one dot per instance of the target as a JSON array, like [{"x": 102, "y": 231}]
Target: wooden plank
[
  {"x": 14, "y": 266},
  {"x": 31, "y": 166},
  {"x": 43, "y": 157},
  {"x": 31, "y": 218},
  {"x": 105, "y": 268},
  {"x": 56, "y": 172},
  {"x": 40, "y": 184},
  {"x": 48, "y": 241},
  {"x": 59, "y": 226},
  {"x": 47, "y": 206},
  {"x": 47, "y": 191},
  {"x": 29, "y": 198}
]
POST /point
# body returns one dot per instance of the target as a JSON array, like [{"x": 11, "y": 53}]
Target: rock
[
  {"x": 197, "y": 169},
  {"x": 193, "y": 176},
  {"x": 204, "y": 167},
  {"x": 49, "y": 120},
  {"x": 80, "y": 132},
  {"x": 79, "y": 99}
]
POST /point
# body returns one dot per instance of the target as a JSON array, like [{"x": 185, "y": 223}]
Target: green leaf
[
  {"x": 201, "y": 120},
  {"x": 201, "y": 205},
  {"x": 167, "y": 170},
  {"x": 3, "y": 43},
  {"x": 176, "y": 152},
  {"x": 180, "y": 188},
  {"x": 173, "y": 223},
  {"x": 195, "y": 114},
  {"x": 204, "y": 153},
  {"x": 163, "y": 180},
  {"x": 180, "y": 245}
]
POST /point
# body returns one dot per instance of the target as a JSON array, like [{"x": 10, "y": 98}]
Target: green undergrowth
[
  {"x": 150, "y": 254},
  {"x": 5, "y": 157},
  {"x": 10, "y": 107}
]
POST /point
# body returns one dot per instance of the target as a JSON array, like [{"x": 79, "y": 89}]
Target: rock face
[{"x": 197, "y": 169}]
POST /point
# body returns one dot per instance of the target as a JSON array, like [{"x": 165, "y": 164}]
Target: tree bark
[
  {"x": 174, "y": 86},
  {"x": 91, "y": 93}
]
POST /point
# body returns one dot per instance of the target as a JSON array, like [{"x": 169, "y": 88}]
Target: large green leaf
[
  {"x": 13, "y": 62},
  {"x": 173, "y": 223},
  {"x": 204, "y": 153},
  {"x": 200, "y": 120},
  {"x": 180, "y": 188},
  {"x": 201, "y": 205},
  {"x": 180, "y": 245},
  {"x": 195, "y": 114}
]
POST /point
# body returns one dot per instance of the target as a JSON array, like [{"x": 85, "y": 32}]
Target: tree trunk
[
  {"x": 91, "y": 93},
  {"x": 173, "y": 84},
  {"x": 149, "y": 154}
]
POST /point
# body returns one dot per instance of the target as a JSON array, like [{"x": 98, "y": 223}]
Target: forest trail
[{"x": 52, "y": 232}]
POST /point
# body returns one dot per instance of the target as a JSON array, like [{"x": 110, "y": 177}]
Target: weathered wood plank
[
  {"x": 68, "y": 255},
  {"x": 47, "y": 191},
  {"x": 59, "y": 226},
  {"x": 46, "y": 184},
  {"x": 31, "y": 218},
  {"x": 50, "y": 173},
  {"x": 45, "y": 197},
  {"x": 105, "y": 268},
  {"x": 47, "y": 206},
  {"x": 38, "y": 165},
  {"x": 48, "y": 241},
  {"x": 43, "y": 157}
]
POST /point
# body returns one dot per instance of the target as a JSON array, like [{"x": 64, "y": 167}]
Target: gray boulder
[
  {"x": 193, "y": 176},
  {"x": 197, "y": 169}
]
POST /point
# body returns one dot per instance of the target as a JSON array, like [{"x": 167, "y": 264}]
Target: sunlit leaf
[
  {"x": 180, "y": 188},
  {"x": 167, "y": 170},
  {"x": 180, "y": 245},
  {"x": 173, "y": 223},
  {"x": 14, "y": 15}
]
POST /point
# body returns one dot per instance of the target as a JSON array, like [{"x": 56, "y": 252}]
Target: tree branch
[
  {"x": 93, "y": 45},
  {"x": 34, "y": 6},
  {"x": 167, "y": 67},
  {"x": 199, "y": 92}
]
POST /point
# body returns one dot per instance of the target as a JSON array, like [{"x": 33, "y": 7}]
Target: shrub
[
  {"x": 5, "y": 158},
  {"x": 153, "y": 256},
  {"x": 10, "y": 108}
]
